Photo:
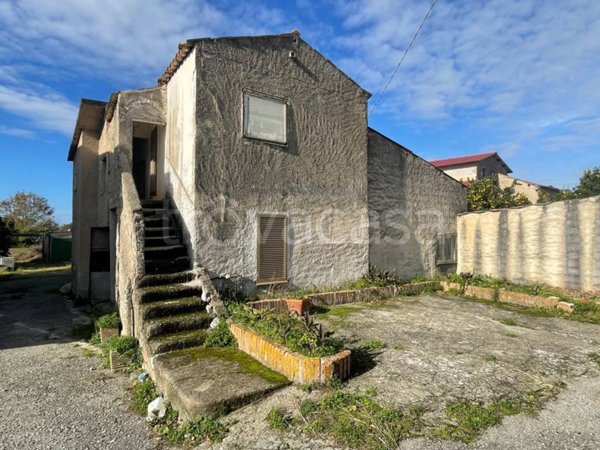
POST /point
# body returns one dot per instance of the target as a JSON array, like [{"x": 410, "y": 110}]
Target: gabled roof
[
  {"x": 469, "y": 159},
  {"x": 185, "y": 48},
  {"x": 90, "y": 116}
]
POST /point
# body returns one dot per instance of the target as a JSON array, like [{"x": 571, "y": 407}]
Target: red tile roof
[{"x": 467, "y": 159}]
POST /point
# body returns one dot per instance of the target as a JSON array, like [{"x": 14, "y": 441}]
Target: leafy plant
[
  {"x": 142, "y": 394},
  {"x": 302, "y": 336},
  {"x": 126, "y": 346},
  {"x": 220, "y": 336},
  {"x": 109, "y": 321},
  {"x": 376, "y": 277},
  {"x": 487, "y": 194},
  {"x": 279, "y": 419},
  {"x": 374, "y": 344}
]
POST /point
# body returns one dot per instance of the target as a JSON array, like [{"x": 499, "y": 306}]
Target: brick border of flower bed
[
  {"x": 294, "y": 366},
  {"x": 514, "y": 298},
  {"x": 350, "y": 296}
]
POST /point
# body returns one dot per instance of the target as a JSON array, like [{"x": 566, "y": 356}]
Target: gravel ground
[
  {"x": 437, "y": 350},
  {"x": 52, "y": 397}
]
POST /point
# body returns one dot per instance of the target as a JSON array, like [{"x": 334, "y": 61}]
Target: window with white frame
[{"x": 265, "y": 119}]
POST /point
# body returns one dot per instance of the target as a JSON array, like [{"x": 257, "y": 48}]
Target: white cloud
[
  {"x": 501, "y": 57},
  {"x": 50, "y": 111},
  {"x": 16, "y": 132}
]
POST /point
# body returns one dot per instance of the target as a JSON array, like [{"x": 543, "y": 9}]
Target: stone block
[
  {"x": 519, "y": 298},
  {"x": 566, "y": 307}
]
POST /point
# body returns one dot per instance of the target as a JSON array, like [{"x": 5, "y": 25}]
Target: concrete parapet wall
[{"x": 557, "y": 244}]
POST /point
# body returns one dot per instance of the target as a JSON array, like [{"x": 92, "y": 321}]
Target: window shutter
[{"x": 272, "y": 249}]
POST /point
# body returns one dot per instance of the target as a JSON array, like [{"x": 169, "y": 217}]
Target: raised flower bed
[
  {"x": 299, "y": 349},
  {"x": 108, "y": 327},
  {"x": 294, "y": 366}
]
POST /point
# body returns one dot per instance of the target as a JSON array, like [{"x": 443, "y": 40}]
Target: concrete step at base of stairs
[
  {"x": 168, "y": 292},
  {"x": 212, "y": 381},
  {"x": 176, "y": 341},
  {"x": 167, "y": 308},
  {"x": 177, "y": 323},
  {"x": 164, "y": 279},
  {"x": 157, "y": 266}
]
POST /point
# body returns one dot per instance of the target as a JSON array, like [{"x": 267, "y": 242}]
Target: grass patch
[
  {"x": 491, "y": 358},
  {"x": 399, "y": 347},
  {"x": 302, "y": 336},
  {"x": 595, "y": 357},
  {"x": 358, "y": 420},
  {"x": 374, "y": 344},
  {"x": 512, "y": 323},
  {"x": 169, "y": 428},
  {"x": 468, "y": 419},
  {"x": 511, "y": 335},
  {"x": 279, "y": 419},
  {"x": 142, "y": 394}
]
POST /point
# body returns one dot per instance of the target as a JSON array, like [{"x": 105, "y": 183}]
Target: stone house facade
[{"x": 252, "y": 157}]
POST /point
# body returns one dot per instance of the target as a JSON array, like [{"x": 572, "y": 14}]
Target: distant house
[
  {"x": 473, "y": 167},
  {"x": 469, "y": 168},
  {"x": 251, "y": 157}
]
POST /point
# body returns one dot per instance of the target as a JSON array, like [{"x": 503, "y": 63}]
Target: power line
[{"x": 414, "y": 38}]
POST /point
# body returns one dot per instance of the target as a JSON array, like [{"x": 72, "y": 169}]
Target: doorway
[{"x": 146, "y": 160}]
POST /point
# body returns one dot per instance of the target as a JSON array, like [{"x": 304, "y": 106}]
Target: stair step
[
  {"x": 168, "y": 292},
  {"x": 159, "y": 231},
  {"x": 170, "y": 307},
  {"x": 152, "y": 203},
  {"x": 154, "y": 266},
  {"x": 157, "y": 221},
  {"x": 165, "y": 252},
  {"x": 176, "y": 341},
  {"x": 161, "y": 241},
  {"x": 155, "y": 211},
  {"x": 168, "y": 278},
  {"x": 174, "y": 324}
]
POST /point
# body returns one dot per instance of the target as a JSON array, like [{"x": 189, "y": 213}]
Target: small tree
[
  {"x": 29, "y": 213},
  {"x": 487, "y": 194},
  {"x": 6, "y": 237},
  {"x": 589, "y": 186}
]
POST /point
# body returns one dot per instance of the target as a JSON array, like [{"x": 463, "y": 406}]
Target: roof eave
[{"x": 89, "y": 116}]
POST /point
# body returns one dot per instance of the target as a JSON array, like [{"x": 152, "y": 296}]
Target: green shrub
[
  {"x": 143, "y": 393},
  {"x": 124, "y": 346},
  {"x": 220, "y": 336},
  {"x": 108, "y": 321},
  {"x": 279, "y": 419}
]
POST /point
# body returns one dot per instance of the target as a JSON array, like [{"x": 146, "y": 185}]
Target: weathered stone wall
[
  {"x": 180, "y": 147},
  {"x": 318, "y": 179},
  {"x": 556, "y": 243},
  {"x": 85, "y": 194},
  {"x": 130, "y": 251},
  {"x": 411, "y": 203}
]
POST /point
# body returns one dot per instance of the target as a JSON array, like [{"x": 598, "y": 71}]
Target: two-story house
[{"x": 251, "y": 157}]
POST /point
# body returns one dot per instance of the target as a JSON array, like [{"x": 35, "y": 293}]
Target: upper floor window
[{"x": 265, "y": 119}]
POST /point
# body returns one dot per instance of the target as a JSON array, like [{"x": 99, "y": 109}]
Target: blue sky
[{"x": 518, "y": 77}]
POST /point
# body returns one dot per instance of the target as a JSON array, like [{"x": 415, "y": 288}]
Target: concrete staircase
[
  {"x": 173, "y": 309},
  {"x": 171, "y": 313}
]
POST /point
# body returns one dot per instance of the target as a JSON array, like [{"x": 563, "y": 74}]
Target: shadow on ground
[{"x": 32, "y": 311}]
